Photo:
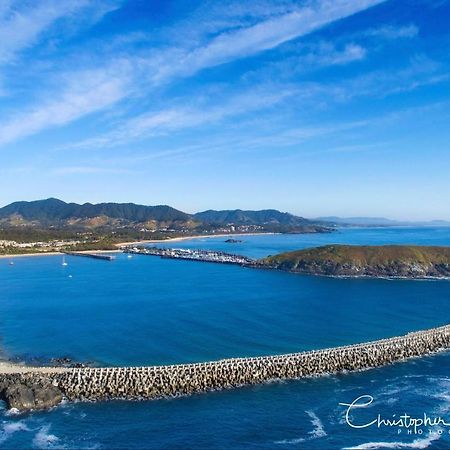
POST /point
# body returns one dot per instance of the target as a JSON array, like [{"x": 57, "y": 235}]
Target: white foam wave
[
  {"x": 317, "y": 432},
  {"x": 290, "y": 441},
  {"x": 416, "y": 444},
  {"x": 12, "y": 412},
  {"x": 44, "y": 439},
  {"x": 10, "y": 428}
]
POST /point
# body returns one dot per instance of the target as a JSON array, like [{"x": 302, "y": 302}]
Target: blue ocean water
[{"x": 146, "y": 310}]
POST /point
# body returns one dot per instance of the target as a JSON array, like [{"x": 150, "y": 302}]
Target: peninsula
[{"x": 392, "y": 261}]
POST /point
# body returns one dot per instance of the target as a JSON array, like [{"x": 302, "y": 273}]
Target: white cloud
[
  {"x": 326, "y": 54},
  {"x": 307, "y": 96},
  {"x": 84, "y": 93},
  {"x": 22, "y": 25},
  {"x": 180, "y": 118},
  {"x": 421, "y": 71},
  {"x": 393, "y": 32},
  {"x": 88, "y": 170},
  {"x": 264, "y": 35},
  {"x": 98, "y": 89}
]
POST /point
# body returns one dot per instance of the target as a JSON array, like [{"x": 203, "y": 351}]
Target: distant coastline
[
  {"x": 188, "y": 238},
  {"x": 147, "y": 241}
]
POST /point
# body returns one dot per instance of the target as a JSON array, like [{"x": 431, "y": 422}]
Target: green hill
[
  {"x": 57, "y": 213},
  {"x": 53, "y": 210},
  {"x": 270, "y": 219},
  {"x": 398, "y": 261},
  {"x": 242, "y": 217}
]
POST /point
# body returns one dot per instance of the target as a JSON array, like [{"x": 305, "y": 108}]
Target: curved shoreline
[
  {"x": 188, "y": 238},
  {"x": 147, "y": 241}
]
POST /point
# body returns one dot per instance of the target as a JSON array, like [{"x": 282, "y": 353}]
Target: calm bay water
[{"x": 147, "y": 310}]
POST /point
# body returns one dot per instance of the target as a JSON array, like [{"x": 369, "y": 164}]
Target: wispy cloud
[
  {"x": 312, "y": 95},
  {"x": 328, "y": 55},
  {"x": 180, "y": 118},
  {"x": 347, "y": 136},
  {"x": 89, "y": 170},
  {"x": 84, "y": 92},
  {"x": 421, "y": 71},
  {"x": 393, "y": 32},
  {"x": 322, "y": 54},
  {"x": 265, "y": 35},
  {"x": 22, "y": 25},
  {"x": 22, "y": 28},
  {"x": 276, "y": 143}
]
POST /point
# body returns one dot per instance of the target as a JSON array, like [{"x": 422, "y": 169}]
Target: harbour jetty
[
  {"x": 91, "y": 255},
  {"x": 192, "y": 255},
  {"x": 358, "y": 261},
  {"x": 19, "y": 389}
]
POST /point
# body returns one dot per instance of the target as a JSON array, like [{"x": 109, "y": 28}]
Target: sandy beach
[
  {"x": 56, "y": 253},
  {"x": 30, "y": 254},
  {"x": 188, "y": 238}
]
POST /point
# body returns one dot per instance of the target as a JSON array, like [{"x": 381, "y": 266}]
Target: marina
[{"x": 192, "y": 255}]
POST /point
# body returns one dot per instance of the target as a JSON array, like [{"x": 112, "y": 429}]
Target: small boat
[
  {"x": 129, "y": 256},
  {"x": 64, "y": 261},
  {"x": 11, "y": 263}
]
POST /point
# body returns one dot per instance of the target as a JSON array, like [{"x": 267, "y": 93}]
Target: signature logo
[{"x": 405, "y": 422}]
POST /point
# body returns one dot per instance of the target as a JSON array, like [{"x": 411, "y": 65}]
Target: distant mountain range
[
  {"x": 57, "y": 213},
  {"x": 380, "y": 222},
  {"x": 54, "y": 212},
  {"x": 240, "y": 217}
]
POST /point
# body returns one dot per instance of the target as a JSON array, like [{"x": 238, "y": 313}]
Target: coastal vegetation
[{"x": 400, "y": 261}]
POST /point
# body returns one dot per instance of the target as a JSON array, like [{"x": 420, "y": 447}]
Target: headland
[{"x": 383, "y": 261}]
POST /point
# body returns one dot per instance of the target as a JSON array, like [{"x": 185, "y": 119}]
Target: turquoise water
[{"x": 147, "y": 310}]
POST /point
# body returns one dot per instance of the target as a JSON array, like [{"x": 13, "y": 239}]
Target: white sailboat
[{"x": 64, "y": 261}]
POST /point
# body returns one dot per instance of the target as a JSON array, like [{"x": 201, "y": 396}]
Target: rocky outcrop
[
  {"x": 29, "y": 391},
  {"x": 391, "y": 261}
]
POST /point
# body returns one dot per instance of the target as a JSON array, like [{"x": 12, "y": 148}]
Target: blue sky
[{"x": 317, "y": 107}]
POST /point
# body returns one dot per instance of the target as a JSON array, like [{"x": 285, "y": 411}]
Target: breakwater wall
[
  {"x": 182, "y": 379},
  {"x": 91, "y": 255}
]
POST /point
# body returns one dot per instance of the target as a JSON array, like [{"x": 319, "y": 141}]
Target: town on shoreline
[
  {"x": 116, "y": 248},
  {"x": 52, "y": 225}
]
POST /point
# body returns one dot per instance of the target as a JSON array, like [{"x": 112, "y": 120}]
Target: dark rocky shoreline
[
  {"x": 34, "y": 390},
  {"x": 390, "y": 261},
  {"x": 29, "y": 391}
]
